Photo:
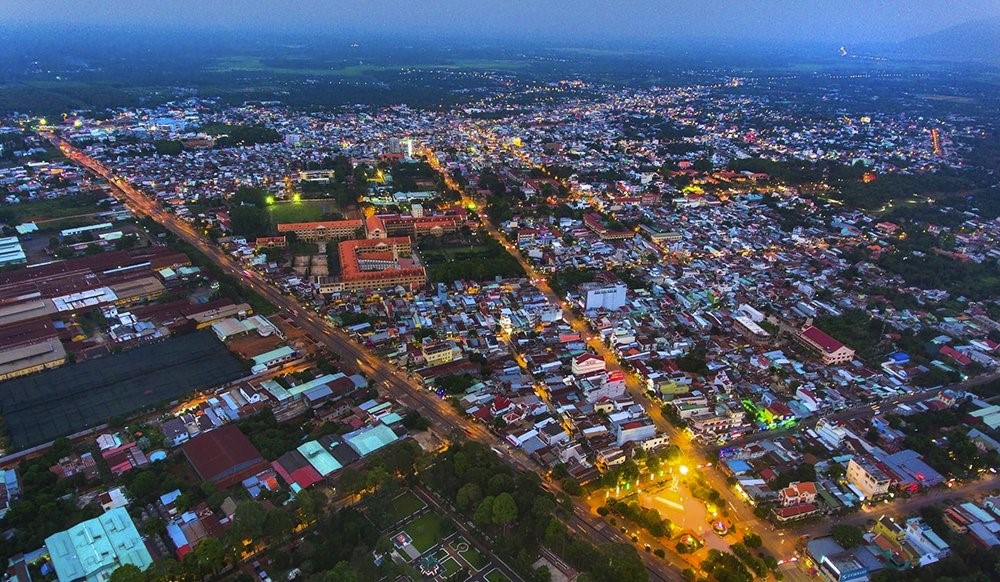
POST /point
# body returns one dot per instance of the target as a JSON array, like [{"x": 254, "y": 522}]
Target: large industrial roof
[{"x": 93, "y": 549}]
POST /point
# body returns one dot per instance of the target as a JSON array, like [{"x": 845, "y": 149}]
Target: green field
[
  {"x": 63, "y": 207},
  {"x": 404, "y": 506},
  {"x": 474, "y": 557},
  {"x": 255, "y": 64},
  {"x": 425, "y": 531},
  {"x": 496, "y": 576},
  {"x": 449, "y": 567},
  {"x": 444, "y": 254},
  {"x": 296, "y": 212}
]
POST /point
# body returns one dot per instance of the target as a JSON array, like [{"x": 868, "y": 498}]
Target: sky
[{"x": 839, "y": 21}]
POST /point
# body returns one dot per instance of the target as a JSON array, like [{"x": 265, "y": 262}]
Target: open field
[
  {"x": 64, "y": 207},
  {"x": 297, "y": 211},
  {"x": 246, "y": 63},
  {"x": 404, "y": 506},
  {"x": 425, "y": 531}
]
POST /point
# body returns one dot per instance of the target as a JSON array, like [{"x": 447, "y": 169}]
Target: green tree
[
  {"x": 468, "y": 496},
  {"x": 249, "y": 221},
  {"x": 127, "y": 573},
  {"x": 351, "y": 480},
  {"x": 752, "y": 540},
  {"x": 279, "y": 524},
  {"x": 154, "y": 526},
  {"x": 210, "y": 555},
  {"x": 483, "y": 516},
  {"x": 504, "y": 510},
  {"x": 249, "y": 519},
  {"x": 342, "y": 572},
  {"x": 144, "y": 485},
  {"x": 847, "y": 536}
]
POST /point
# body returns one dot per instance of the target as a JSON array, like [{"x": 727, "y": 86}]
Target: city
[{"x": 545, "y": 322}]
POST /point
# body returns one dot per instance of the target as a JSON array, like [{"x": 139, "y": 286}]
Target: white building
[
  {"x": 602, "y": 296},
  {"x": 586, "y": 364},
  {"x": 634, "y": 430},
  {"x": 868, "y": 478}
]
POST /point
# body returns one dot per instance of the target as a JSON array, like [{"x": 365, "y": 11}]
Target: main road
[{"x": 403, "y": 389}]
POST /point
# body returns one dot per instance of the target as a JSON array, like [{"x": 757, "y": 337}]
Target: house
[{"x": 797, "y": 493}]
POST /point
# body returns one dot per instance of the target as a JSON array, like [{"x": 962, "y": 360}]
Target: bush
[{"x": 603, "y": 511}]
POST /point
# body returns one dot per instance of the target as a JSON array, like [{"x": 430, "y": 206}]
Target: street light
[{"x": 684, "y": 469}]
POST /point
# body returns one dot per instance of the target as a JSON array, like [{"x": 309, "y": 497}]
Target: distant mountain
[{"x": 974, "y": 40}]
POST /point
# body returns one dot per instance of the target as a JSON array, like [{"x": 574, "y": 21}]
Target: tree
[
  {"x": 310, "y": 504},
  {"x": 571, "y": 486},
  {"x": 210, "y": 555},
  {"x": 279, "y": 523},
  {"x": 351, "y": 480},
  {"x": 127, "y": 573},
  {"x": 250, "y": 518},
  {"x": 342, "y": 572},
  {"x": 154, "y": 526},
  {"x": 847, "y": 536},
  {"x": 752, "y": 540},
  {"x": 504, "y": 510},
  {"x": 468, "y": 496},
  {"x": 143, "y": 485},
  {"x": 483, "y": 516},
  {"x": 249, "y": 221}
]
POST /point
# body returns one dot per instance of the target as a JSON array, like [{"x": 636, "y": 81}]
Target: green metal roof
[
  {"x": 319, "y": 458},
  {"x": 369, "y": 440},
  {"x": 281, "y": 352}
]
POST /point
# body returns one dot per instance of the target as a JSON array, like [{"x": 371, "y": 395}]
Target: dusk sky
[{"x": 842, "y": 21}]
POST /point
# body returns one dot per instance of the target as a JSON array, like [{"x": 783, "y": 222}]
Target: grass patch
[
  {"x": 474, "y": 557},
  {"x": 62, "y": 207},
  {"x": 449, "y": 567},
  {"x": 478, "y": 260},
  {"x": 496, "y": 576},
  {"x": 294, "y": 212},
  {"x": 404, "y": 506},
  {"x": 425, "y": 531}
]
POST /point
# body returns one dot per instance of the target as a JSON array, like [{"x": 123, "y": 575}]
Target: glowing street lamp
[{"x": 684, "y": 469}]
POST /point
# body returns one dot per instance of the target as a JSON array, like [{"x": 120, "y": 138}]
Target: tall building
[
  {"x": 602, "y": 296},
  {"x": 867, "y": 478}
]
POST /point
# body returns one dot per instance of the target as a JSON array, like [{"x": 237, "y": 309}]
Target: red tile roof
[{"x": 819, "y": 338}]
